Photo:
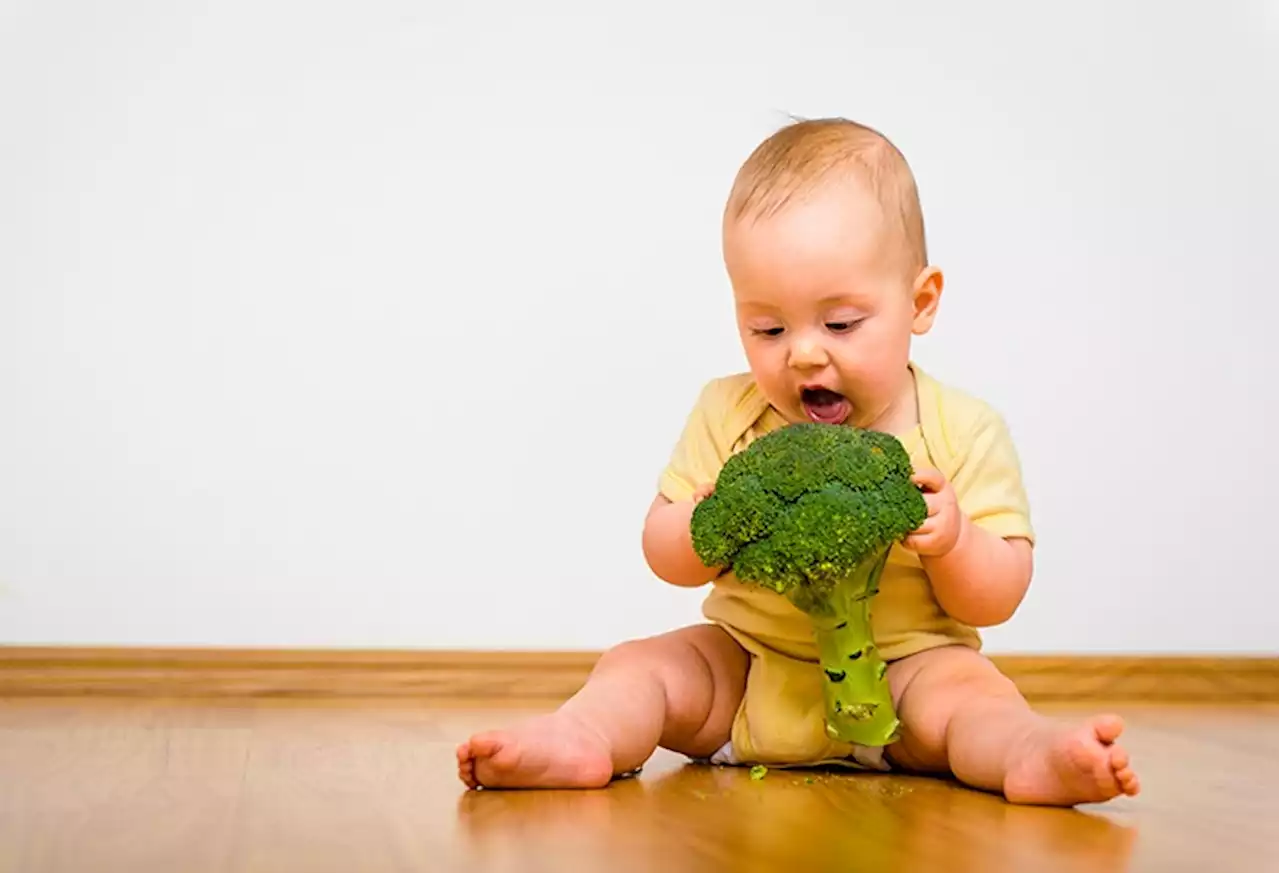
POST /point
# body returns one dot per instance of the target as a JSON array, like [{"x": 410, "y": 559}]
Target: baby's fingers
[
  {"x": 923, "y": 532},
  {"x": 929, "y": 480},
  {"x": 916, "y": 541}
]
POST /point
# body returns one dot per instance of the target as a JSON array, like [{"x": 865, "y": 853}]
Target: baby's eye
[
  {"x": 842, "y": 326},
  {"x": 768, "y": 331}
]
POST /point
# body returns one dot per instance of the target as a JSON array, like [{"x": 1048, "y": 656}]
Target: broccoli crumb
[{"x": 758, "y": 771}]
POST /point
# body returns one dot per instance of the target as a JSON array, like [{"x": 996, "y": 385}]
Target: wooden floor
[{"x": 94, "y": 786}]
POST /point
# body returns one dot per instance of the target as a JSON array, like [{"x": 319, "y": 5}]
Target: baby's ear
[{"x": 925, "y": 296}]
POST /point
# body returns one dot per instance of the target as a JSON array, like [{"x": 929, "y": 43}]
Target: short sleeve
[
  {"x": 701, "y": 451},
  {"x": 988, "y": 482}
]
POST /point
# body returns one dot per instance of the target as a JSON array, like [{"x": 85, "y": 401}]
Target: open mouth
[{"x": 825, "y": 406}]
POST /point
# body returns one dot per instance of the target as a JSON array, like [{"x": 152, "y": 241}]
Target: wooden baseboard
[
  {"x": 1151, "y": 679},
  {"x": 545, "y": 678}
]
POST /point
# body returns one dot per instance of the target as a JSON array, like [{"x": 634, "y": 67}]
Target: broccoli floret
[{"x": 811, "y": 511}]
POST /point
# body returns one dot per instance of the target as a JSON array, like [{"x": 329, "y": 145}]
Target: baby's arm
[
  {"x": 976, "y": 544},
  {"x": 712, "y": 426},
  {"x": 983, "y": 578},
  {"x": 668, "y": 543}
]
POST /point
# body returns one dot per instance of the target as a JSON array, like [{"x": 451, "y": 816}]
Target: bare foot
[
  {"x": 550, "y": 751},
  {"x": 1064, "y": 766}
]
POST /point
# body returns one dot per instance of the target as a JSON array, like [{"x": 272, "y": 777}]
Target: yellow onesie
[{"x": 780, "y": 721}]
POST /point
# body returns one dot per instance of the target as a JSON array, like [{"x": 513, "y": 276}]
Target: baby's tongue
[{"x": 826, "y": 407}]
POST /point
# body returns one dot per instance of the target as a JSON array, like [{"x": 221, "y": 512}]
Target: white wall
[{"x": 324, "y": 324}]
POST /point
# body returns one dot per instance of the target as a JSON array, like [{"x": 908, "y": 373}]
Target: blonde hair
[{"x": 798, "y": 158}]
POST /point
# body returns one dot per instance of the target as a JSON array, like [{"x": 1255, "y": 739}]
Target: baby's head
[{"x": 824, "y": 246}]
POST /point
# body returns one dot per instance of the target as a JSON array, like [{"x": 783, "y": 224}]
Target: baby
[{"x": 824, "y": 246}]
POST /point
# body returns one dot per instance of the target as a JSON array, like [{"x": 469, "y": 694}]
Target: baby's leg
[
  {"x": 960, "y": 715},
  {"x": 679, "y": 690}
]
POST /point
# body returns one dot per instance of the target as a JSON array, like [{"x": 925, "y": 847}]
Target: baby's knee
[
  {"x": 628, "y": 653},
  {"x": 679, "y": 648},
  {"x": 699, "y": 659},
  {"x": 952, "y": 671},
  {"x": 933, "y": 685}
]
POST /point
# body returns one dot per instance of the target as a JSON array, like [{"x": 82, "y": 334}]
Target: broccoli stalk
[
  {"x": 859, "y": 708},
  {"x": 811, "y": 511}
]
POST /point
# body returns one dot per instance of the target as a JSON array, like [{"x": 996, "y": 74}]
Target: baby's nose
[{"x": 806, "y": 352}]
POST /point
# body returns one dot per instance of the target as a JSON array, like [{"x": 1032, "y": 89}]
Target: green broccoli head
[{"x": 802, "y": 507}]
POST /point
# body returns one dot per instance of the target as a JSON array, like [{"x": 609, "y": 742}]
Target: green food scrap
[{"x": 758, "y": 771}]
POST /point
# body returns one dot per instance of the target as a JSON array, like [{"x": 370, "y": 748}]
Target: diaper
[
  {"x": 781, "y": 719},
  {"x": 860, "y": 758}
]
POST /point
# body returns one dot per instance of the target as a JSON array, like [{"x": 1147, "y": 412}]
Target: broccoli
[{"x": 811, "y": 511}]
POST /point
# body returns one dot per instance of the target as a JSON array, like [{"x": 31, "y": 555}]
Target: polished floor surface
[{"x": 152, "y": 785}]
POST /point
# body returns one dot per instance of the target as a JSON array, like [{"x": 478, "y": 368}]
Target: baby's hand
[
  {"x": 704, "y": 491},
  {"x": 941, "y": 528}
]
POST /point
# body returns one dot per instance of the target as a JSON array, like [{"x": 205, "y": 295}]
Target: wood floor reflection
[{"x": 139, "y": 786}]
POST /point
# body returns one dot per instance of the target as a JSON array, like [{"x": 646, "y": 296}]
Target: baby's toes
[
  {"x": 1129, "y": 783},
  {"x": 1121, "y": 773},
  {"x": 466, "y": 766},
  {"x": 1107, "y": 728},
  {"x": 1127, "y": 780}
]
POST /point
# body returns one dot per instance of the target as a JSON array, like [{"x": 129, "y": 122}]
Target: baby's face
[{"x": 825, "y": 310}]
